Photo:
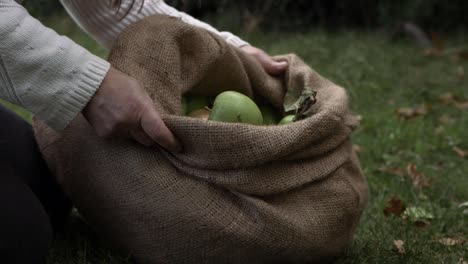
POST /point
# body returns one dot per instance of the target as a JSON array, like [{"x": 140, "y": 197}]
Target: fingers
[
  {"x": 141, "y": 137},
  {"x": 154, "y": 127},
  {"x": 271, "y": 66},
  {"x": 274, "y": 67}
]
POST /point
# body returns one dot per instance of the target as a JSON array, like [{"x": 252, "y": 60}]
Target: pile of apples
[{"x": 232, "y": 107}]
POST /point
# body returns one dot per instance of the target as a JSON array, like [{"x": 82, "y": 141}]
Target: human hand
[
  {"x": 122, "y": 108},
  {"x": 271, "y": 66}
]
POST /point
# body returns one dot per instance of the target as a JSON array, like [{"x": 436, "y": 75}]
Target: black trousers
[{"x": 32, "y": 206}]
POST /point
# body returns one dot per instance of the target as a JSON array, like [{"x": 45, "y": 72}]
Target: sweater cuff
[
  {"x": 77, "y": 98},
  {"x": 237, "y": 42}
]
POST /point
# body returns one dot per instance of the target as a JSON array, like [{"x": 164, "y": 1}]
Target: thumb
[{"x": 154, "y": 127}]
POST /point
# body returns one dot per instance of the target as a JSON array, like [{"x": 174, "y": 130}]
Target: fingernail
[{"x": 282, "y": 64}]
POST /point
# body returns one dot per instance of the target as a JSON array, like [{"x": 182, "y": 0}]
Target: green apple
[
  {"x": 234, "y": 107},
  {"x": 287, "y": 120}
]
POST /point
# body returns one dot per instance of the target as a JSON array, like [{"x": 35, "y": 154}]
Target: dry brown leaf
[
  {"x": 462, "y": 261},
  {"x": 463, "y": 105},
  {"x": 432, "y": 52},
  {"x": 460, "y": 152},
  {"x": 395, "y": 207},
  {"x": 450, "y": 98},
  {"x": 408, "y": 113},
  {"x": 447, "y": 98},
  {"x": 439, "y": 130},
  {"x": 460, "y": 73},
  {"x": 399, "y": 246},
  {"x": 418, "y": 178},
  {"x": 447, "y": 241},
  {"x": 463, "y": 54},
  {"x": 446, "y": 120},
  {"x": 392, "y": 170},
  {"x": 437, "y": 41}
]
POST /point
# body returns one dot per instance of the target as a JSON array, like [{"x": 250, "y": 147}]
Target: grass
[{"x": 381, "y": 76}]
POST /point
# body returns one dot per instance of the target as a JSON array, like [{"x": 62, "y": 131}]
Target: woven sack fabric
[{"x": 238, "y": 193}]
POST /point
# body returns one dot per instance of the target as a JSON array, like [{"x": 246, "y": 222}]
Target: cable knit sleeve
[
  {"x": 46, "y": 73},
  {"x": 104, "y": 23}
]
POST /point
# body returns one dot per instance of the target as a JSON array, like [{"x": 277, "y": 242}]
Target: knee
[{"x": 25, "y": 238}]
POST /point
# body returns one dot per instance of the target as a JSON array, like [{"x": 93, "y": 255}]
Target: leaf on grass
[
  {"x": 462, "y": 105},
  {"x": 408, "y": 112},
  {"x": 418, "y": 178},
  {"x": 463, "y": 54},
  {"x": 431, "y": 52},
  {"x": 439, "y": 130},
  {"x": 399, "y": 246},
  {"x": 460, "y": 152},
  {"x": 464, "y": 205},
  {"x": 450, "y": 98},
  {"x": 447, "y": 241},
  {"x": 437, "y": 41},
  {"x": 395, "y": 207},
  {"x": 447, "y": 98},
  {"x": 446, "y": 120},
  {"x": 461, "y": 73},
  {"x": 392, "y": 170},
  {"x": 418, "y": 216}
]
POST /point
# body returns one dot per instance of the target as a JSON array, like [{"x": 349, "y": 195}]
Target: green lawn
[{"x": 381, "y": 77}]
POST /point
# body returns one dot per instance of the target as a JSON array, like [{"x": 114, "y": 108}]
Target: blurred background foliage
[{"x": 280, "y": 15}]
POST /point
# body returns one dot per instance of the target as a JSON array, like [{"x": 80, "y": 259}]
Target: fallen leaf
[
  {"x": 432, "y": 52},
  {"x": 437, "y": 41},
  {"x": 446, "y": 120},
  {"x": 450, "y": 98},
  {"x": 418, "y": 216},
  {"x": 392, "y": 170},
  {"x": 399, "y": 245},
  {"x": 460, "y": 152},
  {"x": 357, "y": 149},
  {"x": 463, "y": 54},
  {"x": 462, "y": 261},
  {"x": 461, "y": 73},
  {"x": 418, "y": 178},
  {"x": 464, "y": 205},
  {"x": 408, "y": 113},
  {"x": 447, "y": 241},
  {"x": 463, "y": 105},
  {"x": 395, "y": 207},
  {"x": 439, "y": 130},
  {"x": 447, "y": 98}
]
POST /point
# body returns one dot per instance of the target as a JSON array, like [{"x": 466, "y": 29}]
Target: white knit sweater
[{"x": 54, "y": 77}]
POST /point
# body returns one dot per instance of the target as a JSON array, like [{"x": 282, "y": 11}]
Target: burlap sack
[{"x": 239, "y": 193}]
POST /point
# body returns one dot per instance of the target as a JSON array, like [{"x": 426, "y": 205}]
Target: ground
[{"x": 408, "y": 154}]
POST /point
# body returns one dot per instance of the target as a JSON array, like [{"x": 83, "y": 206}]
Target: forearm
[
  {"x": 48, "y": 74},
  {"x": 104, "y": 23}
]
